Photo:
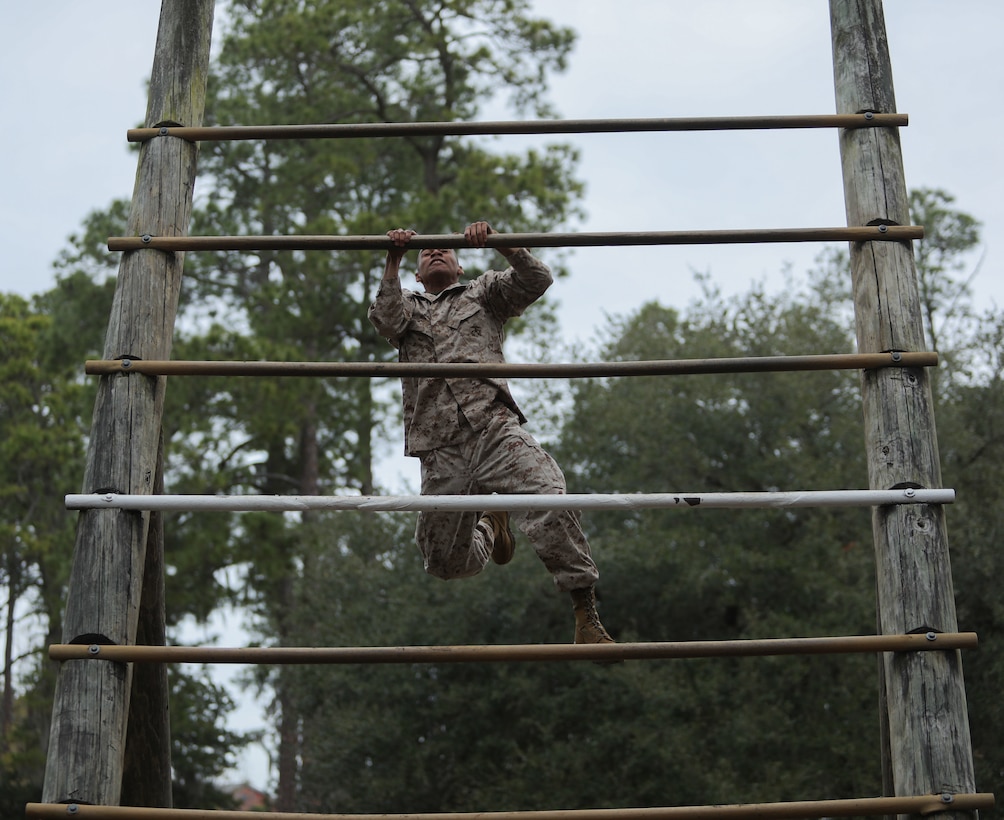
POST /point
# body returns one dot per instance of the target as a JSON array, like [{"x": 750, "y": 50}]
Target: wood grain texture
[
  {"x": 91, "y": 705},
  {"x": 926, "y": 728}
]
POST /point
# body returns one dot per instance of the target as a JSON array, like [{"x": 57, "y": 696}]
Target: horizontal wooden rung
[
  {"x": 925, "y": 804},
  {"x": 609, "y": 502},
  {"x": 568, "y": 126},
  {"x": 865, "y": 233},
  {"x": 855, "y": 644},
  {"x": 677, "y": 367}
]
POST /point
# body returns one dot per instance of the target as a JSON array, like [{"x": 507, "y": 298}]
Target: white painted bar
[{"x": 511, "y": 503}]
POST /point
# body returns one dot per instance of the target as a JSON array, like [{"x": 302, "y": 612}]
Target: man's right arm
[{"x": 388, "y": 313}]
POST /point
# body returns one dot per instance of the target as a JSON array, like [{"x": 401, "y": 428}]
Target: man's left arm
[{"x": 518, "y": 287}]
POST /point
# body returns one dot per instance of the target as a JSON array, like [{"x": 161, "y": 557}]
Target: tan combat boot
[
  {"x": 503, "y": 543},
  {"x": 588, "y": 628}
]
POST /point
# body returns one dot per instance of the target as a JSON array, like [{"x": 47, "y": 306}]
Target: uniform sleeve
[
  {"x": 515, "y": 289},
  {"x": 390, "y": 311}
]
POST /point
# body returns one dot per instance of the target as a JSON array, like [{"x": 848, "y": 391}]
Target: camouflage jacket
[{"x": 464, "y": 323}]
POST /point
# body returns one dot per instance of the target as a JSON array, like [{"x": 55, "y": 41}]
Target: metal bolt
[
  {"x": 947, "y": 798},
  {"x": 869, "y": 115},
  {"x": 932, "y": 636},
  {"x": 94, "y": 649},
  {"x": 73, "y": 808},
  {"x": 126, "y": 363},
  {"x": 146, "y": 237},
  {"x": 909, "y": 492},
  {"x": 897, "y": 356},
  {"x": 883, "y": 228},
  {"x": 163, "y": 131}
]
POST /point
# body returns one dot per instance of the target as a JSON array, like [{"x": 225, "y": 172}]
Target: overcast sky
[
  {"x": 73, "y": 80},
  {"x": 73, "y": 77}
]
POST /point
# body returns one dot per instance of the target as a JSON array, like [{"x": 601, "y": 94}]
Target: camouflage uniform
[{"x": 467, "y": 432}]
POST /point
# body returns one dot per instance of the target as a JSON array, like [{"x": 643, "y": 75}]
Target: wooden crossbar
[
  {"x": 866, "y": 233},
  {"x": 569, "y": 126},
  {"x": 854, "y": 807},
  {"x": 507, "y": 502},
  {"x": 842, "y": 645},
  {"x": 678, "y": 367}
]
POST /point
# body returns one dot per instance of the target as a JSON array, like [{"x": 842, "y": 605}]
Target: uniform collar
[{"x": 432, "y": 297}]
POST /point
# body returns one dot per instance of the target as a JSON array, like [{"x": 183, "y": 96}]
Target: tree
[
  {"x": 448, "y": 737},
  {"x": 283, "y": 61},
  {"x": 43, "y": 413},
  {"x": 456, "y": 737},
  {"x": 949, "y": 237},
  {"x": 679, "y": 575},
  {"x": 753, "y": 574},
  {"x": 202, "y": 749},
  {"x": 970, "y": 417},
  {"x": 45, "y": 408}
]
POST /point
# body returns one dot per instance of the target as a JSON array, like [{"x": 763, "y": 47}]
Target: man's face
[{"x": 438, "y": 269}]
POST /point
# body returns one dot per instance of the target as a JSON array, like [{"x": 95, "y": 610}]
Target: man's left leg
[{"x": 510, "y": 460}]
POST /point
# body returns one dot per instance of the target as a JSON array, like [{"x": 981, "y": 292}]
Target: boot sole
[{"x": 505, "y": 545}]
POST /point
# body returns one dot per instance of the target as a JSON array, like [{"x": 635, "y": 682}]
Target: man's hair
[{"x": 451, "y": 250}]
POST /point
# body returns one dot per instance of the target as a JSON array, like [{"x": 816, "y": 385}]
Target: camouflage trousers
[{"x": 503, "y": 458}]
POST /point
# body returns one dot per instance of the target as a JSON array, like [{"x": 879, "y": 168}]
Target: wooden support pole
[
  {"x": 926, "y": 724},
  {"x": 87, "y": 736}
]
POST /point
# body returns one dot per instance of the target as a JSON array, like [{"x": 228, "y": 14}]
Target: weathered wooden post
[
  {"x": 926, "y": 731},
  {"x": 89, "y": 718}
]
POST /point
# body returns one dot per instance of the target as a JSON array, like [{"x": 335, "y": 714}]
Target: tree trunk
[
  {"x": 290, "y": 728},
  {"x": 289, "y": 721},
  {"x": 7, "y": 705},
  {"x": 364, "y": 431},
  {"x": 146, "y": 777}
]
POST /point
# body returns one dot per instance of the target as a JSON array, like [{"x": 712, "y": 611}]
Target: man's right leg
[{"x": 452, "y": 544}]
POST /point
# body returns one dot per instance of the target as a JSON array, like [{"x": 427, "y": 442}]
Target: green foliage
[
  {"x": 969, "y": 390},
  {"x": 943, "y": 255},
  {"x": 22, "y": 750},
  {"x": 342, "y": 62},
  {"x": 509, "y": 736},
  {"x": 44, "y": 409},
  {"x": 559, "y": 736},
  {"x": 201, "y": 747},
  {"x": 693, "y": 575},
  {"x": 280, "y": 62},
  {"x": 304, "y": 62},
  {"x": 322, "y": 61},
  {"x": 41, "y": 425},
  {"x": 971, "y": 440},
  {"x": 88, "y": 252}
]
